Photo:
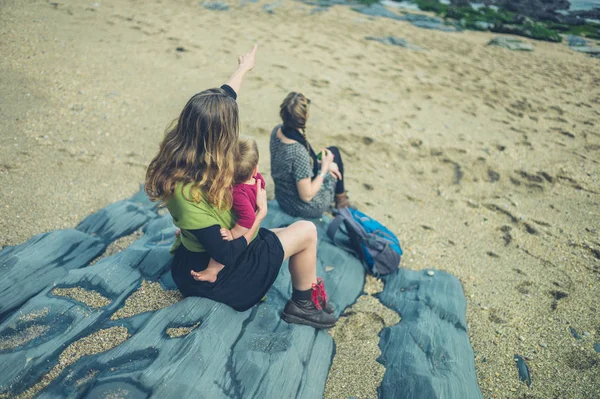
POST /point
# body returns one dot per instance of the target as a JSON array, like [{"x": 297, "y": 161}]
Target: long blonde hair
[
  {"x": 200, "y": 147},
  {"x": 294, "y": 114}
]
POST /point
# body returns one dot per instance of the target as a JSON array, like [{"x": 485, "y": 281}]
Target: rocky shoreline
[
  {"x": 549, "y": 22},
  {"x": 535, "y": 19}
]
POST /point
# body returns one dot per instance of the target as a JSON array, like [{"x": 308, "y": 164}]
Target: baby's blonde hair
[{"x": 247, "y": 161}]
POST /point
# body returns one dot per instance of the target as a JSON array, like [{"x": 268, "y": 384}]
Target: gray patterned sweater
[{"x": 290, "y": 163}]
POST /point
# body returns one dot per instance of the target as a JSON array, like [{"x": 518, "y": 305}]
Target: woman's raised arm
[{"x": 245, "y": 64}]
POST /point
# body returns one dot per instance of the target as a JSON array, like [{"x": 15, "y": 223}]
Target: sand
[
  {"x": 91, "y": 298},
  {"x": 97, "y": 342},
  {"x": 355, "y": 372},
  {"x": 118, "y": 245},
  {"x": 177, "y": 332},
  {"x": 483, "y": 161},
  {"x": 149, "y": 297}
]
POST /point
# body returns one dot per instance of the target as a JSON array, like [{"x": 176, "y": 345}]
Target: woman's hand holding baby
[
  {"x": 226, "y": 235},
  {"x": 261, "y": 201}
]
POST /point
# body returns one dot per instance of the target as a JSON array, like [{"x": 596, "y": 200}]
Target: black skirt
[{"x": 240, "y": 286}]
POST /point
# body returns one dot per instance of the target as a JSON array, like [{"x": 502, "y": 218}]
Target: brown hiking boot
[
  {"x": 306, "y": 312},
  {"x": 341, "y": 201},
  {"x": 321, "y": 295},
  {"x": 315, "y": 312}
]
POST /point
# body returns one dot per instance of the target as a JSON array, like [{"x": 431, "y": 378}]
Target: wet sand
[{"x": 483, "y": 161}]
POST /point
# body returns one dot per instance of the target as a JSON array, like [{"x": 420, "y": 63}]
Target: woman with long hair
[
  {"x": 193, "y": 174},
  {"x": 306, "y": 183}
]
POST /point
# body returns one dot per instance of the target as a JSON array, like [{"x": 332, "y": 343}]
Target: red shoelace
[{"x": 318, "y": 293}]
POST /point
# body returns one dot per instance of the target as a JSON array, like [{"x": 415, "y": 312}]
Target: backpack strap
[
  {"x": 356, "y": 226},
  {"x": 386, "y": 235},
  {"x": 334, "y": 227}
]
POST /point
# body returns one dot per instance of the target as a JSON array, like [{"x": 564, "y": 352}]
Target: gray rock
[
  {"x": 377, "y": 10},
  {"x": 215, "y": 6},
  {"x": 116, "y": 220},
  {"x": 324, "y": 3},
  {"x": 270, "y": 8},
  {"x": 405, "y": 5},
  {"x": 418, "y": 20},
  {"x": 593, "y": 51},
  {"x": 229, "y": 354},
  {"x": 582, "y": 45},
  {"x": 511, "y": 44},
  {"x": 482, "y": 25},
  {"x": 318, "y": 10},
  {"x": 524, "y": 374},
  {"x": 64, "y": 320},
  {"x": 236, "y": 354},
  {"x": 574, "y": 333},
  {"x": 427, "y": 22},
  {"x": 394, "y": 41},
  {"x": 28, "y": 268},
  {"x": 576, "y": 41},
  {"x": 428, "y": 354}
]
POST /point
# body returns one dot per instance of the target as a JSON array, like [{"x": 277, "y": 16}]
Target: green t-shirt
[{"x": 190, "y": 215}]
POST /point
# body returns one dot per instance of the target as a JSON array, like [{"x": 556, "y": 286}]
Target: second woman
[{"x": 306, "y": 183}]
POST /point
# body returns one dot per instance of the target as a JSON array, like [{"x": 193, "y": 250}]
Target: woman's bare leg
[{"x": 299, "y": 242}]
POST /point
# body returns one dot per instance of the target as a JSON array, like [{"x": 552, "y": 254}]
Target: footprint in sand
[{"x": 320, "y": 83}]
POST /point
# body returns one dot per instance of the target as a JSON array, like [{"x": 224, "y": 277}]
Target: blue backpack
[{"x": 373, "y": 243}]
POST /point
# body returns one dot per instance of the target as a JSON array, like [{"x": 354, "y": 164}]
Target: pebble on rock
[{"x": 430, "y": 272}]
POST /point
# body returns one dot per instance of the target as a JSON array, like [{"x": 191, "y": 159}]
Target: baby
[
  {"x": 244, "y": 189},
  {"x": 244, "y": 200}
]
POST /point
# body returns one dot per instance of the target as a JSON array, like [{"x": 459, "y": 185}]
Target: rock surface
[
  {"x": 427, "y": 354},
  {"x": 583, "y": 45},
  {"x": 216, "y": 6},
  {"x": 56, "y": 345},
  {"x": 427, "y": 22},
  {"x": 418, "y": 20},
  {"x": 576, "y": 41},
  {"x": 511, "y": 44},
  {"x": 394, "y": 41}
]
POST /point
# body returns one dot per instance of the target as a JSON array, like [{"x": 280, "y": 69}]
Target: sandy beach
[{"x": 484, "y": 162}]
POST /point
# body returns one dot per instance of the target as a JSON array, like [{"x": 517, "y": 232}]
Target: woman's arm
[
  {"x": 235, "y": 232},
  {"x": 246, "y": 63},
  {"x": 227, "y": 252},
  {"x": 307, "y": 188}
]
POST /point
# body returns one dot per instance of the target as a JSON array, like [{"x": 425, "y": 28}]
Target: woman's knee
[{"x": 308, "y": 231}]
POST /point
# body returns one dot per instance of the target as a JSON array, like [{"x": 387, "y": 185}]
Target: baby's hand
[{"x": 226, "y": 234}]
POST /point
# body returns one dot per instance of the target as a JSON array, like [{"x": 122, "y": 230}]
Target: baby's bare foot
[{"x": 208, "y": 276}]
